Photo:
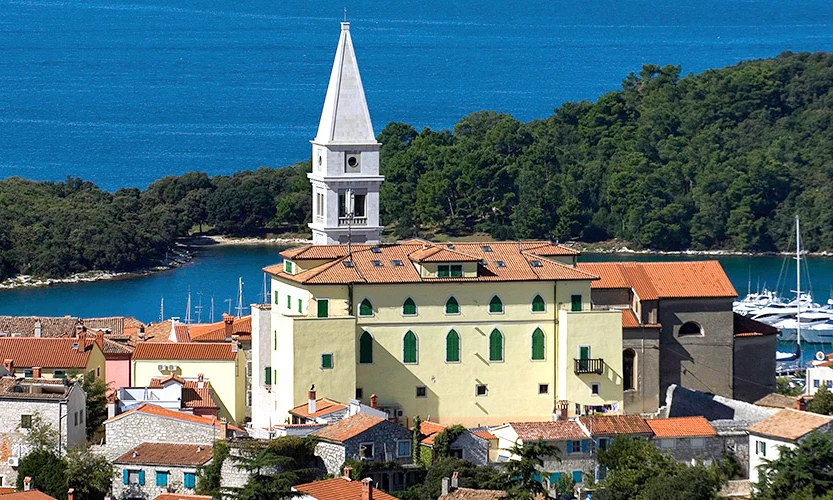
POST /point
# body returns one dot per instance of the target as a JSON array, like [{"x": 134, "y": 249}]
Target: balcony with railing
[
  {"x": 357, "y": 221},
  {"x": 589, "y": 365}
]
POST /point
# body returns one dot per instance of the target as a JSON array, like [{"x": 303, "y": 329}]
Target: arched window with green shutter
[
  {"x": 538, "y": 304},
  {"x": 496, "y": 345},
  {"x": 409, "y": 347},
  {"x": 495, "y": 305},
  {"x": 451, "y": 306},
  {"x": 365, "y": 308},
  {"x": 452, "y": 347},
  {"x": 366, "y": 348},
  {"x": 409, "y": 307},
  {"x": 538, "y": 344}
]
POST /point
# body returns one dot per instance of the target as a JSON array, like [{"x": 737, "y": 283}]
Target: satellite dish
[{"x": 820, "y": 356}]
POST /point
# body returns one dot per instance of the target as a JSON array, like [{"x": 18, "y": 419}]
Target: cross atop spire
[
  {"x": 345, "y": 14},
  {"x": 345, "y": 118}
]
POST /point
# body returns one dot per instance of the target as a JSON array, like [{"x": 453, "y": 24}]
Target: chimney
[
  {"x": 8, "y": 365},
  {"x": 141, "y": 333},
  {"x": 99, "y": 339},
  {"x": 111, "y": 409},
  {"x": 367, "y": 489},
  {"x": 224, "y": 428},
  {"x": 348, "y": 473},
  {"x": 200, "y": 381},
  {"x": 71, "y": 494},
  {"x": 228, "y": 322},
  {"x": 374, "y": 401},
  {"x": 38, "y": 329},
  {"x": 27, "y": 483},
  {"x": 311, "y": 400},
  {"x": 82, "y": 342},
  {"x": 234, "y": 346},
  {"x": 445, "y": 487},
  {"x": 36, "y": 372},
  {"x": 455, "y": 480}
]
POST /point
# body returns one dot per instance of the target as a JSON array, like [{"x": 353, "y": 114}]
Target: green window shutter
[
  {"x": 366, "y": 348},
  {"x": 575, "y": 301},
  {"x": 452, "y": 347},
  {"x": 456, "y": 271},
  {"x": 496, "y": 346},
  {"x": 409, "y": 348},
  {"x": 442, "y": 271},
  {"x": 537, "y": 344},
  {"x": 365, "y": 308},
  {"x": 275, "y": 345},
  {"x": 268, "y": 373},
  {"x": 300, "y": 305},
  {"x": 323, "y": 308},
  {"x": 409, "y": 307},
  {"x": 276, "y": 297},
  {"x": 327, "y": 361},
  {"x": 289, "y": 302},
  {"x": 538, "y": 304},
  {"x": 495, "y": 305},
  {"x": 584, "y": 352},
  {"x": 451, "y": 306}
]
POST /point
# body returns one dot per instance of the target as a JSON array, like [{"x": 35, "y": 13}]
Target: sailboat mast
[{"x": 798, "y": 280}]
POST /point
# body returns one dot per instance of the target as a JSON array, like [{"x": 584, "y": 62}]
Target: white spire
[{"x": 345, "y": 118}]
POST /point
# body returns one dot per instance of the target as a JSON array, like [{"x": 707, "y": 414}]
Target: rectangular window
[
  {"x": 481, "y": 390},
  {"x": 28, "y": 374},
  {"x": 81, "y": 416},
  {"x": 161, "y": 478},
  {"x": 327, "y": 361},
  {"x": 359, "y": 393},
  {"x": 189, "y": 480},
  {"x": 403, "y": 448},
  {"x": 604, "y": 443},
  {"x": 543, "y": 388},
  {"x": 698, "y": 443},
  {"x": 133, "y": 477},
  {"x": 443, "y": 271},
  {"x": 300, "y": 306},
  {"x": 760, "y": 448},
  {"x": 668, "y": 444},
  {"x": 249, "y": 398},
  {"x": 268, "y": 375},
  {"x": 289, "y": 302},
  {"x": 75, "y": 418},
  {"x": 456, "y": 270},
  {"x": 594, "y": 389},
  {"x": 59, "y": 374},
  {"x": 366, "y": 451},
  {"x": 421, "y": 391},
  {"x": 323, "y": 308},
  {"x": 26, "y": 421},
  {"x": 573, "y": 446},
  {"x": 575, "y": 302},
  {"x": 287, "y": 267},
  {"x": 815, "y": 384},
  {"x": 359, "y": 205},
  {"x": 577, "y": 476},
  {"x": 456, "y": 453}
]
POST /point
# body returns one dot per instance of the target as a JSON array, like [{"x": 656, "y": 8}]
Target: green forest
[{"x": 723, "y": 159}]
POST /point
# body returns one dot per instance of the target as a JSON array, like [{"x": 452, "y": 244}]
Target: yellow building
[
  {"x": 222, "y": 364},
  {"x": 473, "y": 333},
  {"x": 40, "y": 357}
]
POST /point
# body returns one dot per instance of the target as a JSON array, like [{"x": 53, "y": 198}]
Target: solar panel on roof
[
  {"x": 536, "y": 263},
  {"x": 397, "y": 263},
  {"x": 376, "y": 263},
  {"x": 348, "y": 264},
  {"x": 500, "y": 263},
  {"x": 486, "y": 248},
  {"x": 376, "y": 250}
]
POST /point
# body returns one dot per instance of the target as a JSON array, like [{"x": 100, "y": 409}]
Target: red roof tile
[
  {"x": 27, "y": 352},
  {"x": 484, "y": 434},
  {"x": 615, "y": 424},
  {"x": 339, "y": 488},
  {"x": 216, "y": 332},
  {"x": 179, "y": 496},
  {"x": 629, "y": 320},
  {"x": 441, "y": 254},
  {"x": 165, "y": 413},
  {"x": 654, "y": 280},
  {"x": 429, "y": 430},
  {"x": 167, "y": 454},
  {"x": 28, "y": 495},
  {"x": 790, "y": 424},
  {"x": 348, "y": 427},
  {"x": 548, "y": 431},
  {"x": 323, "y": 406},
  {"x": 681, "y": 427},
  {"x": 193, "y": 396},
  {"x": 170, "y": 350}
]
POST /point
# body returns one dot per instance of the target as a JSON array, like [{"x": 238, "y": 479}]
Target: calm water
[{"x": 122, "y": 92}]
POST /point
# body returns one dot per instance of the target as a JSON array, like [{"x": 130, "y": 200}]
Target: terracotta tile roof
[
  {"x": 615, "y": 424},
  {"x": 789, "y": 424},
  {"x": 167, "y": 454},
  {"x": 439, "y": 253},
  {"x": 429, "y": 430},
  {"x": 348, "y": 427},
  {"x": 547, "y": 249},
  {"x": 776, "y": 400},
  {"x": 111, "y": 347},
  {"x": 193, "y": 396},
  {"x": 112, "y": 324},
  {"x": 681, "y": 427},
  {"x": 629, "y": 320},
  {"x": 548, "y": 431},
  {"x": 199, "y": 351},
  {"x": 367, "y": 266},
  {"x": 483, "y": 433},
  {"x": 339, "y": 488},
  {"x": 33, "y": 388},
  {"x": 472, "y": 494},
  {"x": 5, "y": 490},
  {"x": 150, "y": 409},
  {"x": 28, "y": 495},
  {"x": 654, "y": 280},
  {"x": 323, "y": 406},
  {"x": 56, "y": 326},
  {"x": 748, "y": 327},
  {"x": 216, "y": 332},
  {"x": 27, "y": 352},
  {"x": 179, "y": 496}
]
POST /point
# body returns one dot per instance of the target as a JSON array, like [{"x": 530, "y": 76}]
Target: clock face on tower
[{"x": 353, "y": 163}]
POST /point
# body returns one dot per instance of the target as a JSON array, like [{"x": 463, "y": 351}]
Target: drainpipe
[
  {"x": 555, "y": 344},
  {"x": 350, "y": 299}
]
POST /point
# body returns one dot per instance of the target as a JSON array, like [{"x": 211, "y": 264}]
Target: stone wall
[
  {"x": 475, "y": 449},
  {"x": 176, "y": 481},
  {"x": 644, "y": 398},
  {"x": 332, "y": 454},
  {"x": 136, "y": 428},
  {"x": 384, "y": 437}
]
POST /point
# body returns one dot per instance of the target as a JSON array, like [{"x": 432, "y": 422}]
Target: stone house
[
  {"x": 568, "y": 436},
  {"x": 60, "y": 404},
  {"x": 678, "y": 328},
  {"x": 341, "y": 488},
  {"x": 687, "y": 439},
  {"x": 367, "y": 438},
  {"x": 147, "y": 423},
  {"x": 151, "y": 469},
  {"x": 604, "y": 429},
  {"x": 785, "y": 429},
  {"x": 468, "y": 445}
]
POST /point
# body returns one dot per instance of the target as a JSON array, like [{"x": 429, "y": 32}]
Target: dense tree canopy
[
  {"x": 719, "y": 160},
  {"x": 805, "y": 472}
]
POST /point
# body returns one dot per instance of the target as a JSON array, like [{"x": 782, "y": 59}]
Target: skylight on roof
[
  {"x": 486, "y": 248},
  {"x": 348, "y": 264},
  {"x": 397, "y": 263},
  {"x": 376, "y": 263},
  {"x": 451, "y": 246},
  {"x": 482, "y": 262},
  {"x": 500, "y": 263},
  {"x": 376, "y": 250},
  {"x": 536, "y": 263}
]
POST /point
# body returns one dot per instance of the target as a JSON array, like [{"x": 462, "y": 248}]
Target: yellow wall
[
  {"x": 227, "y": 377},
  {"x": 97, "y": 363},
  {"x": 602, "y": 331}
]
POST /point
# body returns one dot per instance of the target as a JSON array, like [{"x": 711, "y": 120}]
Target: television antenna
[{"x": 188, "y": 308}]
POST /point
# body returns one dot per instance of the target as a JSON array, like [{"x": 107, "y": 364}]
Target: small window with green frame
[
  {"x": 365, "y": 308},
  {"x": 327, "y": 361},
  {"x": 300, "y": 306},
  {"x": 495, "y": 305},
  {"x": 575, "y": 302},
  {"x": 276, "y": 297},
  {"x": 452, "y": 306},
  {"x": 538, "y": 304},
  {"x": 450, "y": 271},
  {"x": 323, "y": 308},
  {"x": 287, "y": 266},
  {"x": 409, "y": 307}
]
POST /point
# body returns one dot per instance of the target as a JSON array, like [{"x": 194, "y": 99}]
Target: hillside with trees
[{"x": 719, "y": 160}]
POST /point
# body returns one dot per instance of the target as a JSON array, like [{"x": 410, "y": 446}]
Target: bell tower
[{"x": 345, "y": 158}]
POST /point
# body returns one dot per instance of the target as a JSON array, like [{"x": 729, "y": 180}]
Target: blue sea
[{"x": 123, "y": 92}]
